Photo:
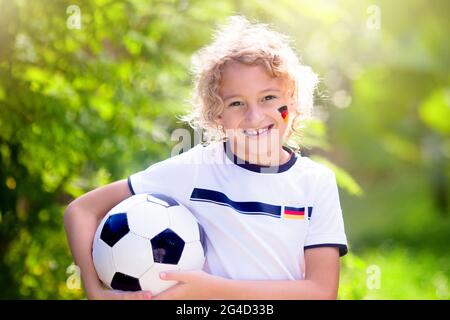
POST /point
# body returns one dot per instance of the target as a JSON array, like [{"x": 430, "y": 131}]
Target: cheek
[
  {"x": 231, "y": 118},
  {"x": 283, "y": 113}
]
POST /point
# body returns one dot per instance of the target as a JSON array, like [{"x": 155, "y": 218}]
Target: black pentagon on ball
[
  {"x": 167, "y": 247},
  {"x": 124, "y": 282},
  {"x": 115, "y": 227}
]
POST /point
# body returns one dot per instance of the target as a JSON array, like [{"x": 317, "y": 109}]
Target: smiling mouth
[{"x": 257, "y": 132}]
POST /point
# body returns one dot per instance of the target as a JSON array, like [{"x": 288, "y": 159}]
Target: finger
[
  {"x": 182, "y": 276},
  {"x": 137, "y": 295},
  {"x": 163, "y": 296},
  {"x": 169, "y": 294},
  {"x": 140, "y": 295}
]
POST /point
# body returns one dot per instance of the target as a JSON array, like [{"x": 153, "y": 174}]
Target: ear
[
  {"x": 292, "y": 106},
  {"x": 219, "y": 120}
]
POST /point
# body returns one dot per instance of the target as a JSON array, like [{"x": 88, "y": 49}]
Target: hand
[
  {"x": 193, "y": 285},
  {"x": 105, "y": 294}
]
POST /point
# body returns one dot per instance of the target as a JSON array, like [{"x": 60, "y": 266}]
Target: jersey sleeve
[
  {"x": 326, "y": 228},
  {"x": 173, "y": 177},
  {"x": 153, "y": 179}
]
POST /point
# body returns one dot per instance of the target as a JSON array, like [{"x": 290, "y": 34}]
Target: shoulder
[
  {"x": 197, "y": 155},
  {"x": 184, "y": 155},
  {"x": 312, "y": 168}
]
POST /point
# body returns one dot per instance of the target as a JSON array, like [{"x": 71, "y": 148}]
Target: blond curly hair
[{"x": 253, "y": 44}]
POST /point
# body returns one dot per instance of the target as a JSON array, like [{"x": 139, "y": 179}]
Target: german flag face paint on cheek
[{"x": 284, "y": 113}]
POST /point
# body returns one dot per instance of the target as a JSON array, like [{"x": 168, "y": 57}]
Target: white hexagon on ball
[
  {"x": 193, "y": 256},
  {"x": 151, "y": 280},
  {"x": 126, "y": 205},
  {"x": 147, "y": 219},
  {"x": 184, "y": 223},
  {"x": 103, "y": 260},
  {"x": 135, "y": 264}
]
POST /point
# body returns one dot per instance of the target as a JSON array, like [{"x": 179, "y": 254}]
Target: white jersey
[{"x": 258, "y": 220}]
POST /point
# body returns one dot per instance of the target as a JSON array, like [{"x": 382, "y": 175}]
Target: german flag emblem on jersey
[{"x": 294, "y": 213}]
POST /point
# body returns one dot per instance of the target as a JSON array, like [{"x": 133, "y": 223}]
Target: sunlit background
[{"x": 89, "y": 91}]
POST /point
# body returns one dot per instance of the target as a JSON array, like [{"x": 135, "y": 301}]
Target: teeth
[
  {"x": 253, "y": 132},
  {"x": 263, "y": 130}
]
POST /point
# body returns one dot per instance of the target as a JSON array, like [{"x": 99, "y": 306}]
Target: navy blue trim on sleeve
[
  {"x": 342, "y": 247},
  {"x": 130, "y": 186}
]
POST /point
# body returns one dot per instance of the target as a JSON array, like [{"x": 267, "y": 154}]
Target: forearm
[
  {"x": 273, "y": 290},
  {"x": 80, "y": 229}
]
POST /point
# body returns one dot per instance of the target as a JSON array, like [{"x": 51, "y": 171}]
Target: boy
[{"x": 272, "y": 218}]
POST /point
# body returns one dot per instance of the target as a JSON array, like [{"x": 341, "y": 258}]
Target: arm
[
  {"x": 81, "y": 219},
  {"x": 321, "y": 282}
]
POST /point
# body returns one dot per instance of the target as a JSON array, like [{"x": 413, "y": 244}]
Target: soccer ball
[{"x": 142, "y": 236}]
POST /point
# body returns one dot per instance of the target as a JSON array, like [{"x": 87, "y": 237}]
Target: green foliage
[
  {"x": 80, "y": 108},
  {"x": 403, "y": 274},
  {"x": 435, "y": 111},
  {"x": 343, "y": 179},
  {"x": 353, "y": 278}
]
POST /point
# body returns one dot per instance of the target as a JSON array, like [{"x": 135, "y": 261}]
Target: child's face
[{"x": 252, "y": 99}]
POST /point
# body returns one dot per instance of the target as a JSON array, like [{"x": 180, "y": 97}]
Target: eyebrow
[{"x": 237, "y": 95}]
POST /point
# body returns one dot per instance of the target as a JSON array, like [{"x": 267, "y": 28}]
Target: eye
[
  {"x": 269, "y": 97},
  {"x": 234, "y": 104}
]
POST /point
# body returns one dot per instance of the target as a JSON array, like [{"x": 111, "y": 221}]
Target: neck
[{"x": 267, "y": 159}]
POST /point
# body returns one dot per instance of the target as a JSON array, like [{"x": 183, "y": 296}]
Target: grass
[
  {"x": 395, "y": 273},
  {"x": 396, "y": 231}
]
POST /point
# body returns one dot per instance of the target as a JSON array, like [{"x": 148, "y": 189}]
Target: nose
[{"x": 254, "y": 114}]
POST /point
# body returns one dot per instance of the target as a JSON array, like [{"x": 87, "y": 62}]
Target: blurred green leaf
[
  {"x": 435, "y": 111},
  {"x": 343, "y": 178}
]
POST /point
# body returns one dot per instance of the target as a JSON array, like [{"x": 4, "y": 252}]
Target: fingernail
[{"x": 162, "y": 275}]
